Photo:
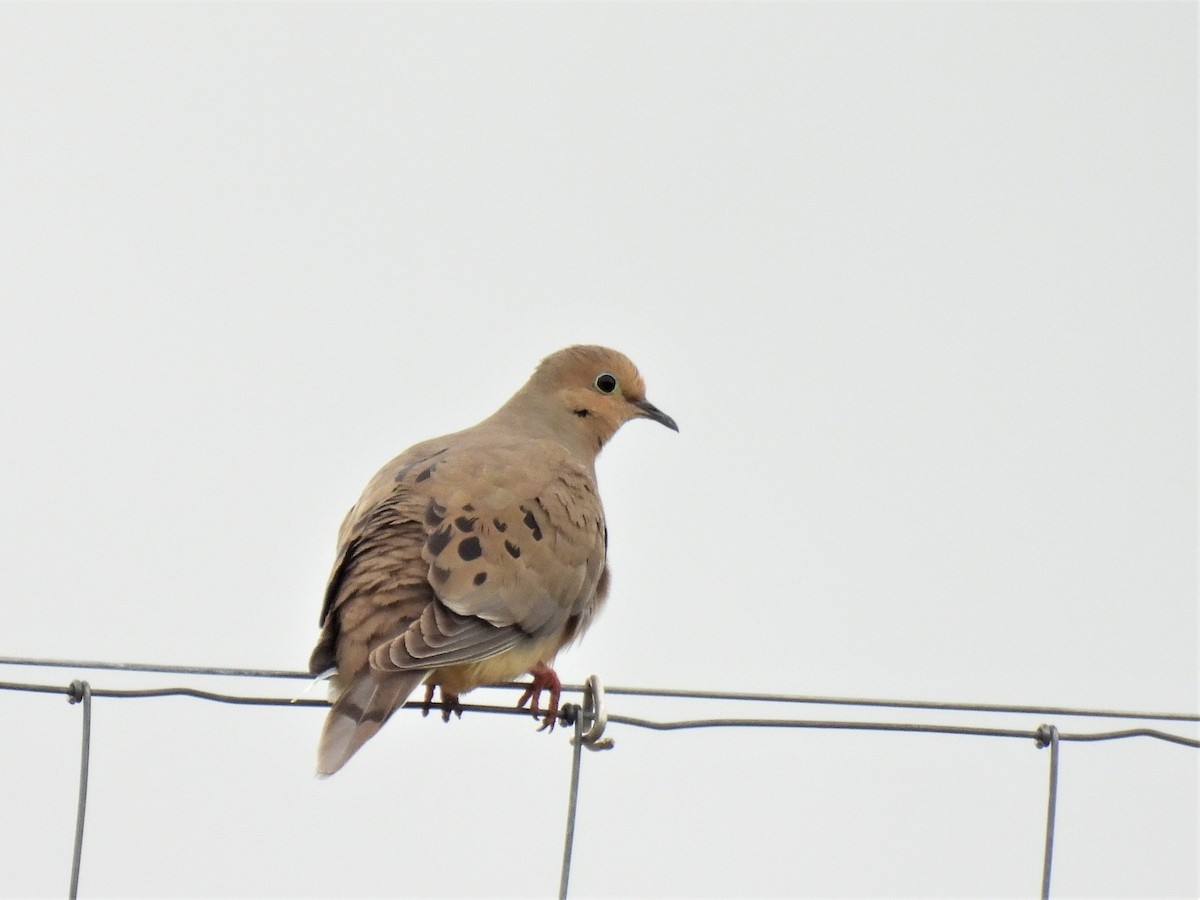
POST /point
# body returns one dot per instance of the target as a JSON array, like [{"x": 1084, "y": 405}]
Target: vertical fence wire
[
  {"x": 1048, "y": 734},
  {"x": 81, "y": 692},
  {"x": 572, "y": 802}
]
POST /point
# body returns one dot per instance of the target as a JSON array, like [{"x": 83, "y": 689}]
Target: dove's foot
[
  {"x": 544, "y": 678},
  {"x": 428, "y": 704},
  {"x": 449, "y": 703}
]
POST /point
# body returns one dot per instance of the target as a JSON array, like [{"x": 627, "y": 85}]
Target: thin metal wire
[
  {"x": 165, "y": 692},
  {"x": 572, "y": 711},
  {"x": 151, "y": 667},
  {"x": 632, "y": 720},
  {"x": 1133, "y": 732},
  {"x": 596, "y": 715},
  {"x": 1048, "y": 735},
  {"x": 686, "y": 724},
  {"x": 81, "y": 691},
  {"x": 947, "y": 706},
  {"x": 893, "y": 726},
  {"x": 236, "y": 699},
  {"x": 34, "y": 688}
]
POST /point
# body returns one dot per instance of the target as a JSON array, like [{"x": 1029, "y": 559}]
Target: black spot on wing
[
  {"x": 465, "y": 523},
  {"x": 532, "y": 525},
  {"x": 439, "y": 539},
  {"x": 470, "y": 549},
  {"x": 480, "y": 578},
  {"x": 438, "y": 575},
  {"x": 434, "y": 514},
  {"x": 467, "y": 507},
  {"x": 513, "y": 550},
  {"x": 500, "y": 526},
  {"x": 423, "y": 474}
]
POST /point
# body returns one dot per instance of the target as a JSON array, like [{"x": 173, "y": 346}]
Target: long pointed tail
[{"x": 359, "y": 712}]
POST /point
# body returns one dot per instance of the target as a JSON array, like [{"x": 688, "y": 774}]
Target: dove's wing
[
  {"x": 514, "y": 549},
  {"x": 470, "y": 554}
]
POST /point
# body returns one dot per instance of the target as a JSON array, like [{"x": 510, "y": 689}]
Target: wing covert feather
[{"x": 454, "y": 555}]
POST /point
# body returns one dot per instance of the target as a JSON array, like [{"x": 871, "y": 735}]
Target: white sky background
[{"x": 917, "y": 281}]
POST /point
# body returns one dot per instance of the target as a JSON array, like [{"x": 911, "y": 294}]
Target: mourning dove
[{"x": 475, "y": 557}]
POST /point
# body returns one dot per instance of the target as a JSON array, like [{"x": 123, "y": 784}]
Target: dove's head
[{"x": 592, "y": 391}]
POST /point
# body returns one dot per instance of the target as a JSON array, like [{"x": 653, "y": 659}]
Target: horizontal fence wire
[
  {"x": 663, "y": 693},
  {"x": 98, "y": 665},
  {"x": 1028, "y": 734},
  {"x": 592, "y": 713},
  {"x": 632, "y": 721}
]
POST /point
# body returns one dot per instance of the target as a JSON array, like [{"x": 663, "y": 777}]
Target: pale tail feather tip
[{"x": 360, "y": 712}]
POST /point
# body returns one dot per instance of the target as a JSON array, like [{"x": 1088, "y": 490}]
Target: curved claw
[
  {"x": 544, "y": 678},
  {"x": 449, "y": 703}
]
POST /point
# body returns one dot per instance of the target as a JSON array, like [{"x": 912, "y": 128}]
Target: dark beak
[{"x": 648, "y": 410}]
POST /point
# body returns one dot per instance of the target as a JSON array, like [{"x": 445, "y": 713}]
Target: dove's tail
[{"x": 359, "y": 712}]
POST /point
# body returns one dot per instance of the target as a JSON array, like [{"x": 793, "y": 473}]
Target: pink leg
[{"x": 544, "y": 678}]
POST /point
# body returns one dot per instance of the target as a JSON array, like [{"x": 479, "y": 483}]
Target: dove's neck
[{"x": 536, "y": 416}]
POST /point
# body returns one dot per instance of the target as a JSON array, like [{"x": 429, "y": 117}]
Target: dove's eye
[{"x": 606, "y": 383}]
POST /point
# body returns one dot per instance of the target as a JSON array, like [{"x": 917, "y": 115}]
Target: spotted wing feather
[{"x": 514, "y": 549}]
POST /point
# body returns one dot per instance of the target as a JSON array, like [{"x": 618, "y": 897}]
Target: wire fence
[{"x": 590, "y": 719}]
